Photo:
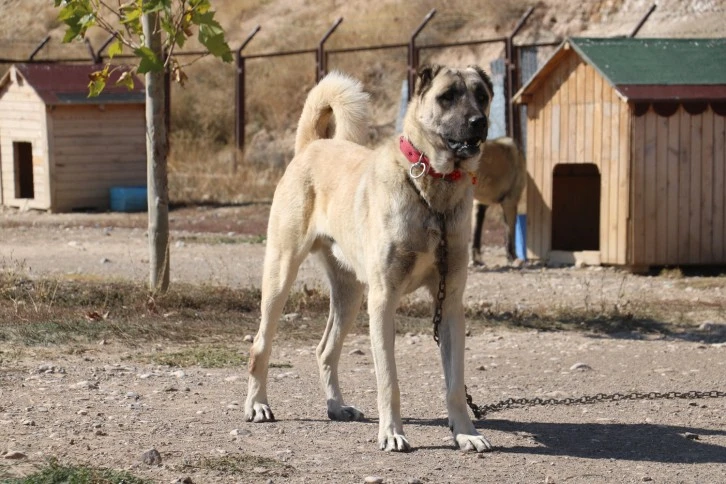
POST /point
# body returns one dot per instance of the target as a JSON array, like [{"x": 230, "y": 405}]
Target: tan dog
[
  {"x": 373, "y": 219},
  {"x": 502, "y": 176}
]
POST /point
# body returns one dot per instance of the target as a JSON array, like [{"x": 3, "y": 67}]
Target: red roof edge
[{"x": 68, "y": 83}]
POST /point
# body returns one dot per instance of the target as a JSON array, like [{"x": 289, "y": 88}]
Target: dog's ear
[
  {"x": 426, "y": 75},
  {"x": 484, "y": 77}
]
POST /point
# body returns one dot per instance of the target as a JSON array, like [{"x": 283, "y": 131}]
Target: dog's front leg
[
  {"x": 452, "y": 333},
  {"x": 381, "y": 309}
]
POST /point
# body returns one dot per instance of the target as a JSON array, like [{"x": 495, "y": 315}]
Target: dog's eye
[
  {"x": 447, "y": 97},
  {"x": 482, "y": 97}
]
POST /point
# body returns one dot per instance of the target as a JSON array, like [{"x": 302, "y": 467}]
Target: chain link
[
  {"x": 588, "y": 399},
  {"x": 443, "y": 268},
  {"x": 481, "y": 411}
]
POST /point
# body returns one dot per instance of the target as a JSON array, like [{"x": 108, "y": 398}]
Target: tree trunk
[{"x": 157, "y": 149}]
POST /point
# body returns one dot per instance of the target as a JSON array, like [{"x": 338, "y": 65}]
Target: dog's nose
[{"x": 478, "y": 123}]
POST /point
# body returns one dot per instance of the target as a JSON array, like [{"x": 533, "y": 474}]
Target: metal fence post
[
  {"x": 239, "y": 94},
  {"x": 91, "y": 52},
  {"x": 413, "y": 53},
  {"x": 103, "y": 47},
  {"x": 320, "y": 58},
  {"x": 511, "y": 73},
  {"x": 643, "y": 20},
  {"x": 39, "y": 47}
]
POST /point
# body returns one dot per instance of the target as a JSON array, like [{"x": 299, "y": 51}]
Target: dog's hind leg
[
  {"x": 509, "y": 212},
  {"x": 346, "y": 296},
  {"x": 481, "y": 211},
  {"x": 282, "y": 261}
]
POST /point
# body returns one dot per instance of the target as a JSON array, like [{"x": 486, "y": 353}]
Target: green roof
[{"x": 626, "y": 60}]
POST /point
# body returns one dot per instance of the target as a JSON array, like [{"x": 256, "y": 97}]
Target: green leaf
[
  {"x": 116, "y": 48},
  {"x": 149, "y": 61},
  {"x": 78, "y": 15},
  {"x": 201, "y": 6},
  {"x": 174, "y": 36},
  {"x": 98, "y": 82},
  {"x": 204, "y": 18},
  {"x": 96, "y": 87},
  {"x": 211, "y": 35},
  {"x": 151, "y": 6},
  {"x": 214, "y": 41},
  {"x": 72, "y": 32},
  {"x": 130, "y": 14},
  {"x": 126, "y": 79},
  {"x": 88, "y": 20},
  {"x": 67, "y": 13}
]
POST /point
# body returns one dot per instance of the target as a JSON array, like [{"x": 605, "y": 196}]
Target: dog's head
[{"x": 451, "y": 110}]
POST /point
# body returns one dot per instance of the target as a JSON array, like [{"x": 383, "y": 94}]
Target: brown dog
[
  {"x": 375, "y": 219},
  {"x": 502, "y": 176}
]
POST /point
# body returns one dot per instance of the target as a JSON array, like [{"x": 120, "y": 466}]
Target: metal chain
[
  {"x": 481, "y": 411},
  {"x": 443, "y": 267},
  {"x": 588, "y": 399}
]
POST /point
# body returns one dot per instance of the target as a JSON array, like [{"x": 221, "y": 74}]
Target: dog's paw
[
  {"x": 473, "y": 443},
  {"x": 259, "y": 412},
  {"x": 394, "y": 443},
  {"x": 344, "y": 413}
]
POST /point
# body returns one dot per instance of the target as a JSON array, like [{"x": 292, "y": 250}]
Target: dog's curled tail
[{"x": 337, "y": 107}]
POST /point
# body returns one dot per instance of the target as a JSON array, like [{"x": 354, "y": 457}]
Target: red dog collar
[{"x": 421, "y": 162}]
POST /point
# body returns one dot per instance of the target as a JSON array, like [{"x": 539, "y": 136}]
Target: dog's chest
[
  {"x": 343, "y": 259},
  {"x": 412, "y": 256}
]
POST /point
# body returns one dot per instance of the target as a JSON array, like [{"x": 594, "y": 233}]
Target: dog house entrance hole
[
  {"x": 23, "y": 153},
  {"x": 576, "y": 207}
]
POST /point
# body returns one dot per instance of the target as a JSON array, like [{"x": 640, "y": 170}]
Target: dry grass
[
  {"x": 242, "y": 465},
  {"x": 45, "y": 312},
  {"x": 202, "y": 172},
  {"x": 54, "y": 471}
]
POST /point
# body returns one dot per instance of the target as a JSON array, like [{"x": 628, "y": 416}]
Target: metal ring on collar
[{"x": 418, "y": 169}]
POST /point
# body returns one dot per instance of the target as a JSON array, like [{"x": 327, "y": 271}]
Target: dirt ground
[{"x": 105, "y": 407}]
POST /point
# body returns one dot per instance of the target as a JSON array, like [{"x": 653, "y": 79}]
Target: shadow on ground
[{"x": 636, "y": 442}]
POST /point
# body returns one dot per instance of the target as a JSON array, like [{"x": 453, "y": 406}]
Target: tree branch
[{"x": 177, "y": 27}]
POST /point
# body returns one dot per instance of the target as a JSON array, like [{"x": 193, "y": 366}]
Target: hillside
[
  {"x": 203, "y": 111},
  {"x": 299, "y": 23}
]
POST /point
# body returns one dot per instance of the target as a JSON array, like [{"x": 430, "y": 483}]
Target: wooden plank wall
[
  {"x": 575, "y": 116},
  {"x": 22, "y": 119},
  {"x": 679, "y": 180},
  {"x": 94, "y": 150}
]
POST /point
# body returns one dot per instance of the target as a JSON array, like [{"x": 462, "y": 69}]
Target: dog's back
[
  {"x": 335, "y": 108},
  {"x": 502, "y": 172},
  {"x": 502, "y": 177}
]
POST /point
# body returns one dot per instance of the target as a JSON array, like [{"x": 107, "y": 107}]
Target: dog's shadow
[{"x": 636, "y": 442}]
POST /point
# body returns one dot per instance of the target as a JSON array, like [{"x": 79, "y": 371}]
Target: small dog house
[
  {"x": 625, "y": 152},
  {"x": 61, "y": 150}
]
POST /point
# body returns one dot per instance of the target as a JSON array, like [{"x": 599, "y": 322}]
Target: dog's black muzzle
[{"x": 470, "y": 145}]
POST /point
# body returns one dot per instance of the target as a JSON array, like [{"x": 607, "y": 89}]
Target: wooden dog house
[
  {"x": 61, "y": 150},
  {"x": 625, "y": 152}
]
